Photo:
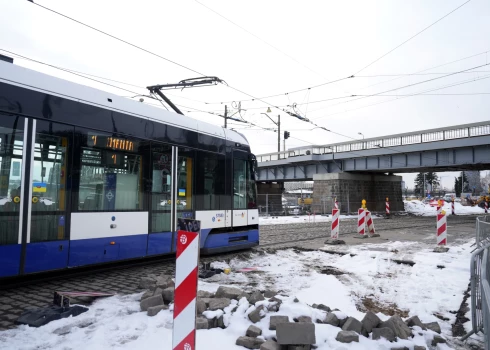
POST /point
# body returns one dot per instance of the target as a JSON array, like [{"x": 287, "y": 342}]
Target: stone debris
[
  {"x": 296, "y": 333},
  {"x": 270, "y": 293},
  {"x": 228, "y": 292},
  {"x": 419, "y": 347},
  {"x": 146, "y": 295},
  {"x": 275, "y": 304},
  {"x": 270, "y": 345},
  {"x": 334, "y": 241},
  {"x": 221, "y": 322},
  {"x": 218, "y": 303},
  {"x": 256, "y": 315},
  {"x": 322, "y": 307},
  {"x": 153, "y": 310},
  {"x": 352, "y": 324},
  {"x": 385, "y": 332},
  {"x": 370, "y": 321},
  {"x": 204, "y": 294},
  {"x": 400, "y": 348},
  {"x": 164, "y": 281},
  {"x": 304, "y": 319},
  {"x": 441, "y": 249},
  {"x": 433, "y": 326},
  {"x": 202, "y": 322},
  {"x": 200, "y": 306},
  {"x": 151, "y": 301},
  {"x": 253, "y": 331},
  {"x": 146, "y": 282},
  {"x": 347, "y": 337},
  {"x": 396, "y": 324},
  {"x": 331, "y": 319},
  {"x": 249, "y": 342},
  {"x": 255, "y": 297},
  {"x": 275, "y": 320},
  {"x": 168, "y": 295},
  {"x": 438, "y": 340},
  {"x": 415, "y": 321}
]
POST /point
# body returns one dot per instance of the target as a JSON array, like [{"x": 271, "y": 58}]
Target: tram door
[
  {"x": 12, "y": 149},
  {"x": 46, "y": 242}
]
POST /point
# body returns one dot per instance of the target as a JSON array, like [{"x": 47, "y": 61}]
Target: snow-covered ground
[
  {"x": 297, "y": 219},
  {"x": 369, "y": 276},
  {"x": 424, "y": 209}
]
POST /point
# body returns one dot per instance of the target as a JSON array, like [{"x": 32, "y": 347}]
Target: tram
[{"x": 88, "y": 177}]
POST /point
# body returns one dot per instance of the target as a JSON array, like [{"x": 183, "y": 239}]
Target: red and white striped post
[
  {"x": 361, "y": 224},
  {"x": 336, "y": 203},
  {"x": 439, "y": 207},
  {"x": 387, "y": 206},
  {"x": 334, "y": 234},
  {"x": 369, "y": 223},
  {"x": 186, "y": 276},
  {"x": 486, "y": 207},
  {"x": 453, "y": 212},
  {"x": 441, "y": 229}
]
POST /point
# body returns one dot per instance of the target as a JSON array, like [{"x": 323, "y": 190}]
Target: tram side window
[
  {"x": 161, "y": 188},
  {"x": 11, "y": 144},
  {"x": 210, "y": 184},
  {"x": 110, "y": 174}
]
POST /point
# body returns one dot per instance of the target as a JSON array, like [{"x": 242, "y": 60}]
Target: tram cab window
[
  {"x": 110, "y": 174},
  {"x": 244, "y": 188}
]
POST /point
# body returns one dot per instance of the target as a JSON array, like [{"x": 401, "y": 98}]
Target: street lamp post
[
  {"x": 278, "y": 128},
  {"x": 360, "y": 133}
]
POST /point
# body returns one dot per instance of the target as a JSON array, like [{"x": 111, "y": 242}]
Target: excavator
[{"x": 479, "y": 202}]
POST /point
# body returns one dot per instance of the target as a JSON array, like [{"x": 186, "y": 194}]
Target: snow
[
  {"x": 424, "y": 209},
  {"x": 423, "y": 290},
  {"x": 297, "y": 219}
]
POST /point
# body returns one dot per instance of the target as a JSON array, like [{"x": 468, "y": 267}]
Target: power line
[
  {"x": 118, "y": 39},
  {"x": 406, "y": 41}
]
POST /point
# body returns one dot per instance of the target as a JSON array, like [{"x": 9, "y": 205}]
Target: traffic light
[{"x": 286, "y": 135}]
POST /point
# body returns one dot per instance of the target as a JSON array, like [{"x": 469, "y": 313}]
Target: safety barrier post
[
  {"x": 186, "y": 276},
  {"x": 334, "y": 234},
  {"x": 336, "y": 203},
  {"x": 452, "y": 207},
  {"x": 441, "y": 229},
  {"x": 486, "y": 207},
  {"x": 370, "y": 224},
  {"x": 387, "y": 207},
  {"x": 439, "y": 206}
]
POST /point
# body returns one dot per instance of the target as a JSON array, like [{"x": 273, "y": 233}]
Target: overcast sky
[{"x": 282, "y": 46}]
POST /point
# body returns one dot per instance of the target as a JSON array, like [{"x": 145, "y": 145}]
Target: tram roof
[{"x": 34, "y": 80}]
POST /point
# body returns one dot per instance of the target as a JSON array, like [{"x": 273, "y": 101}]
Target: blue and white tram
[{"x": 88, "y": 177}]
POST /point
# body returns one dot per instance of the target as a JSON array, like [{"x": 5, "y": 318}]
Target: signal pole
[
  {"x": 226, "y": 115},
  {"x": 278, "y": 133}
]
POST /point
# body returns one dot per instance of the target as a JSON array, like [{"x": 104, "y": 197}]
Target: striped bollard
[
  {"x": 452, "y": 207},
  {"x": 387, "y": 207},
  {"x": 369, "y": 223},
  {"x": 335, "y": 224},
  {"x": 441, "y": 229},
  {"x": 486, "y": 207},
  {"x": 361, "y": 224},
  {"x": 336, "y": 204},
  {"x": 186, "y": 276}
]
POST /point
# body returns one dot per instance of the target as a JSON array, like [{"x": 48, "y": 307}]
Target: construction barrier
[
  {"x": 387, "y": 207},
  {"x": 452, "y": 207},
  {"x": 335, "y": 224},
  {"x": 486, "y": 207},
  {"x": 186, "y": 276},
  {"x": 369, "y": 223},
  {"x": 336, "y": 204},
  {"x": 441, "y": 229},
  {"x": 361, "y": 215}
]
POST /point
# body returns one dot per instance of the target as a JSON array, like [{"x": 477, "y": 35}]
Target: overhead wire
[{"x": 417, "y": 34}]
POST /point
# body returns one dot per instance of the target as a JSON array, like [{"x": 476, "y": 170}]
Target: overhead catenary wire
[{"x": 413, "y": 36}]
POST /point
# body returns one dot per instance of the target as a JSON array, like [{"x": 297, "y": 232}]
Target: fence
[
  {"x": 292, "y": 204},
  {"x": 480, "y": 277}
]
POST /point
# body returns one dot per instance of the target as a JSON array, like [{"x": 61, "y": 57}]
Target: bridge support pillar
[
  {"x": 350, "y": 189},
  {"x": 269, "y": 198}
]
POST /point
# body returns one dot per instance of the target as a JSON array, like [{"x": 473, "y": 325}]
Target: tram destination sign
[{"x": 113, "y": 143}]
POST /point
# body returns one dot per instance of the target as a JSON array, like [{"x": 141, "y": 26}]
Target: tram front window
[{"x": 109, "y": 178}]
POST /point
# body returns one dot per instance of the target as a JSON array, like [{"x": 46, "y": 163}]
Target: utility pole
[
  {"x": 226, "y": 115},
  {"x": 279, "y": 133}
]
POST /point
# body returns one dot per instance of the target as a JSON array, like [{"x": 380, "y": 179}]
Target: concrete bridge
[{"x": 363, "y": 168}]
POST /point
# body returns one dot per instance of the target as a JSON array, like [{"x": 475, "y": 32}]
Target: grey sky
[{"x": 328, "y": 41}]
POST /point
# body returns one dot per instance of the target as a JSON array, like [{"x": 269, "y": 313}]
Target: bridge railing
[{"x": 458, "y": 132}]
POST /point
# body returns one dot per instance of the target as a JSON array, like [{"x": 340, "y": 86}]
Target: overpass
[{"x": 360, "y": 166}]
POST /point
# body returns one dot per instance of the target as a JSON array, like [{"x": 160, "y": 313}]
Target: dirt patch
[
  {"x": 369, "y": 304},
  {"x": 330, "y": 270},
  {"x": 457, "y": 327}
]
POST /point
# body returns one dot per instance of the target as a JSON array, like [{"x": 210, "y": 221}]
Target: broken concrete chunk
[
  {"x": 347, "y": 337},
  {"x": 322, "y": 307},
  {"x": 385, "y": 332},
  {"x": 146, "y": 295},
  {"x": 370, "y": 321},
  {"x": 331, "y": 319},
  {"x": 352, "y": 324},
  {"x": 270, "y": 293},
  {"x": 270, "y": 345},
  {"x": 228, "y": 292},
  {"x": 304, "y": 319},
  {"x": 153, "y": 310},
  {"x": 249, "y": 342},
  {"x": 151, "y": 301},
  {"x": 253, "y": 331},
  {"x": 396, "y": 324},
  {"x": 433, "y": 326},
  {"x": 146, "y": 282},
  {"x": 256, "y": 315},
  {"x": 255, "y": 297},
  {"x": 202, "y": 322},
  {"x": 200, "y": 306},
  {"x": 415, "y": 321},
  {"x": 218, "y": 303},
  {"x": 438, "y": 340},
  {"x": 168, "y": 295},
  {"x": 275, "y": 320},
  {"x": 204, "y": 294},
  {"x": 296, "y": 333}
]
